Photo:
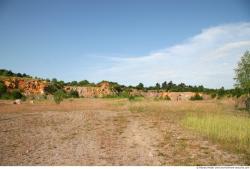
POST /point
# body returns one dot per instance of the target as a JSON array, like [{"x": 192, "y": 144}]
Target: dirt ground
[{"x": 100, "y": 132}]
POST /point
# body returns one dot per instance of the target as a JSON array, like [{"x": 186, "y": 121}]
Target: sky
[{"x": 126, "y": 41}]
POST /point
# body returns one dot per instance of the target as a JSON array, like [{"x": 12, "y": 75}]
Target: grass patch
[{"x": 231, "y": 131}]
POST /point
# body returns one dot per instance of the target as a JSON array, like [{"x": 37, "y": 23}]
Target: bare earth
[{"x": 100, "y": 132}]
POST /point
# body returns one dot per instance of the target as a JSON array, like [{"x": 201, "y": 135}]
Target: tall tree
[
  {"x": 140, "y": 86},
  {"x": 157, "y": 86},
  {"x": 164, "y": 85},
  {"x": 242, "y": 72}
]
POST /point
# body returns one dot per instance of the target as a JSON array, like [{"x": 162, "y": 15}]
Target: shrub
[
  {"x": 213, "y": 95},
  {"x": 167, "y": 98},
  {"x": 16, "y": 94},
  {"x": 51, "y": 88},
  {"x": 74, "y": 94},
  {"x": 196, "y": 97},
  {"x": 6, "y": 96},
  {"x": 130, "y": 98},
  {"x": 124, "y": 94},
  {"x": 3, "y": 89},
  {"x": 247, "y": 102},
  {"x": 59, "y": 95}
]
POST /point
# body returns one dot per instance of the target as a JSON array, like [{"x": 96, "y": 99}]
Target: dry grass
[
  {"x": 117, "y": 132},
  {"x": 217, "y": 120}
]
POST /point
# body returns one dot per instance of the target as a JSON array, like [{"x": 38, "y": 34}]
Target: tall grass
[
  {"x": 217, "y": 120},
  {"x": 230, "y": 130}
]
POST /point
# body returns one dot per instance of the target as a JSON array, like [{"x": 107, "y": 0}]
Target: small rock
[{"x": 17, "y": 101}]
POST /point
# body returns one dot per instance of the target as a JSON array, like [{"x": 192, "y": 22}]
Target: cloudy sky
[{"x": 131, "y": 41}]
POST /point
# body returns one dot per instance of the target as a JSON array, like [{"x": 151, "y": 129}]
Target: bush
[
  {"x": 51, "y": 88},
  {"x": 59, "y": 95},
  {"x": 74, "y": 94},
  {"x": 3, "y": 89},
  {"x": 16, "y": 94},
  {"x": 167, "y": 98},
  {"x": 247, "y": 102},
  {"x": 6, "y": 96},
  {"x": 196, "y": 97},
  {"x": 213, "y": 95},
  {"x": 130, "y": 98}
]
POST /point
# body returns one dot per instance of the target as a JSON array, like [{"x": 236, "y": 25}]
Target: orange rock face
[
  {"x": 174, "y": 96},
  {"x": 102, "y": 89},
  {"x": 28, "y": 87}
]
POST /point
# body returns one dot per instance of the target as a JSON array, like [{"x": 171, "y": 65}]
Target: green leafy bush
[
  {"x": 213, "y": 95},
  {"x": 74, "y": 94},
  {"x": 196, "y": 97},
  {"x": 3, "y": 89},
  {"x": 51, "y": 88},
  {"x": 59, "y": 95},
  {"x": 6, "y": 96},
  {"x": 247, "y": 102},
  {"x": 130, "y": 98},
  {"x": 16, "y": 94}
]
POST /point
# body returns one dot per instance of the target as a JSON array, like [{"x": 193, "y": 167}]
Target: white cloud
[{"x": 207, "y": 58}]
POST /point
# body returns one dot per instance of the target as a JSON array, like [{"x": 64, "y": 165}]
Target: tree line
[{"x": 242, "y": 86}]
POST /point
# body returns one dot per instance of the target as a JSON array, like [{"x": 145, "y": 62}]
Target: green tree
[
  {"x": 242, "y": 77},
  {"x": 54, "y": 80},
  {"x": 74, "y": 83},
  {"x": 83, "y": 83},
  {"x": 221, "y": 92},
  {"x": 140, "y": 86},
  {"x": 164, "y": 85},
  {"x": 243, "y": 72},
  {"x": 157, "y": 86},
  {"x": 170, "y": 85}
]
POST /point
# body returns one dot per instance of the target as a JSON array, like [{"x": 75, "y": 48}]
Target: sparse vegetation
[{"x": 196, "y": 97}]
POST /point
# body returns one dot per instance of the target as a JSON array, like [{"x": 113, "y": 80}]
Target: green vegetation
[
  {"x": 59, "y": 95},
  {"x": 73, "y": 94},
  {"x": 80, "y": 83},
  {"x": 231, "y": 131},
  {"x": 14, "y": 94},
  {"x": 4, "y": 72},
  {"x": 243, "y": 72},
  {"x": 3, "y": 89},
  {"x": 243, "y": 76},
  {"x": 140, "y": 86},
  {"x": 196, "y": 97}
]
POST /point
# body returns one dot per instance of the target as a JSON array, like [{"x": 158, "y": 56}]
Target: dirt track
[{"x": 102, "y": 137}]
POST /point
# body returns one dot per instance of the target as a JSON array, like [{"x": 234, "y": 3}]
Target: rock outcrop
[
  {"x": 27, "y": 86},
  {"x": 101, "y": 90},
  {"x": 175, "y": 96},
  {"x": 36, "y": 87}
]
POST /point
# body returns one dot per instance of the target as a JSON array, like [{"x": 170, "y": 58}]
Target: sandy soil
[{"x": 99, "y": 132}]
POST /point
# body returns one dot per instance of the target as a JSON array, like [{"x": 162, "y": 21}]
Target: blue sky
[{"x": 128, "y": 41}]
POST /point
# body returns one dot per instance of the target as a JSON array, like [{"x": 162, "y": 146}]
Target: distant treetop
[{"x": 4, "y": 72}]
